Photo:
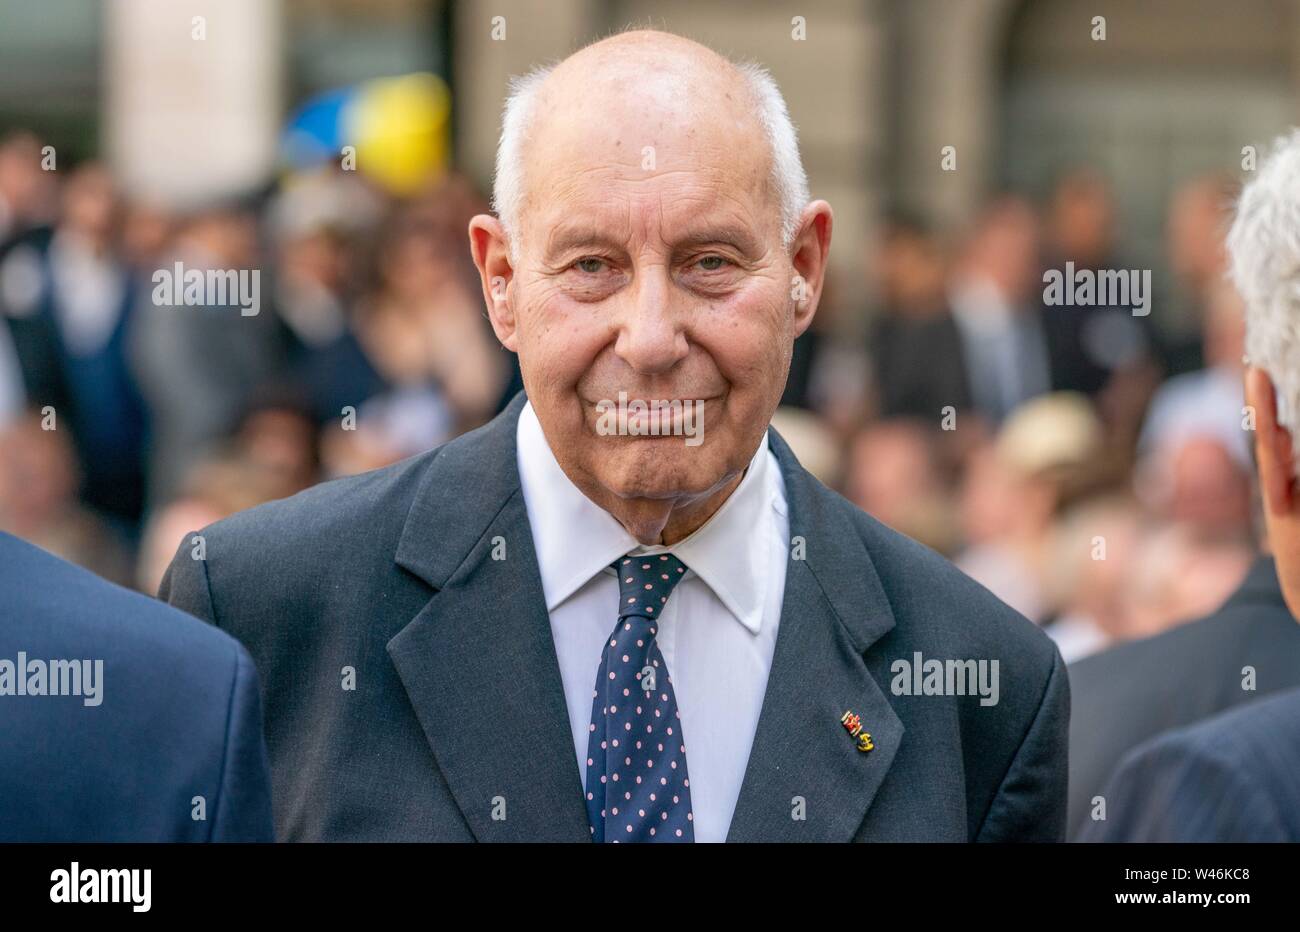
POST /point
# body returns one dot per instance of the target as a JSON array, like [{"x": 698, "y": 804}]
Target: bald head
[{"x": 633, "y": 94}]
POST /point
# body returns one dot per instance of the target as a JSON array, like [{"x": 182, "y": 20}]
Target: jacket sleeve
[
  {"x": 1030, "y": 804},
  {"x": 244, "y": 806}
]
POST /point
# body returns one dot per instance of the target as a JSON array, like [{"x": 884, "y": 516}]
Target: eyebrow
[
  {"x": 569, "y": 236},
  {"x": 738, "y": 238}
]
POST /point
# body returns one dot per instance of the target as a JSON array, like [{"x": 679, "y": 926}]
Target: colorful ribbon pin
[{"x": 853, "y": 725}]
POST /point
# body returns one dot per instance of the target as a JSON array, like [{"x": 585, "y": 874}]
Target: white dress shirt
[{"x": 718, "y": 629}]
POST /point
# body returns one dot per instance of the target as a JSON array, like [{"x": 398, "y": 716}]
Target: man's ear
[
  {"x": 487, "y": 243},
  {"x": 1274, "y": 453},
  {"x": 810, "y": 248}
]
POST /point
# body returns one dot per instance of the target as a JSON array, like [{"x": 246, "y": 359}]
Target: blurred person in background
[
  {"x": 27, "y": 192},
  {"x": 1199, "y": 213},
  {"x": 225, "y": 482},
  {"x": 279, "y": 434},
  {"x": 1016, "y": 488},
  {"x": 1180, "y": 572},
  {"x": 147, "y": 228},
  {"x": 1250, "y": 646},
  {"x": 428, "y": 366},
  {"x": 31, "y": 374},
  {"x": 317, "y": 224},
  {"x": 917, "y": 360},
  {"x": 1103, "y": 351},
  {"x": 896, "y": 474},
  {"x": 199, "y": 365},
  {"x": 75, "y": 284},
  {"x": 832, "y": 365},
  {"x": 271, "y": 453},
  {"x": 39, "y": 476},
  {"x": 813, "y": 441},
  {"x": 1195, "y": 468},
  {"x": 995, "y": 300},
  {"x": 1092, "y": 555},
  {"x": 1088, "y": 345},
  {"x": 1207, "y": 402},
  {"x": 1196, "y": 482}
]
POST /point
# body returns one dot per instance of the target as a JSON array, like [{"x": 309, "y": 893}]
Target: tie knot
[{"x": 644, "y": 583}]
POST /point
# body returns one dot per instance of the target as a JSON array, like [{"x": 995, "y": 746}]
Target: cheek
[
  {"x": 748, "y": 335},
  {"x": 558, "y": 338}
]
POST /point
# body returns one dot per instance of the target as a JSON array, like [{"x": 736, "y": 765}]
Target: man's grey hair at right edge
[
  {"x": 1264, "y": 255},
  {"x": 788, "y": 176}
]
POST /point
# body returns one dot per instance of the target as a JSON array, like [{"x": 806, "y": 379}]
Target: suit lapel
[
  {"x": 806, "y": 780},
  {"x": 478, "y": 662}
]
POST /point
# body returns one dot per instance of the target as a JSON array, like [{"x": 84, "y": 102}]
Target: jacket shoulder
[
  {"x": 61, "y": 606},
  {"x": 1165, "y": 661},
  {"x": 338, "y": 509}
]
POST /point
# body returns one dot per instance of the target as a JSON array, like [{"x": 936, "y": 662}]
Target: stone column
[{"x": 193, "y": 95}]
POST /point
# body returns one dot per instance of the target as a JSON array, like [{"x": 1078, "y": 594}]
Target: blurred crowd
[
  {"x": 126, "y": 421},
  {"x": 1080, "y": 461},
  {"x": 1085, "y": 463}
]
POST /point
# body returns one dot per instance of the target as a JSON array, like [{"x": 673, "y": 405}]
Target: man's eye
[
  {"x": 590, "y": 265},
  {"x": 711, "y": 263}
]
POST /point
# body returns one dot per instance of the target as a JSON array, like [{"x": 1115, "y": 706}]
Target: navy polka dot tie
[{"x": 637, "y": 785}]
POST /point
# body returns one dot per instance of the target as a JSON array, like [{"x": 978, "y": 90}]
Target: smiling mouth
[{"x": 651, "y": 418}]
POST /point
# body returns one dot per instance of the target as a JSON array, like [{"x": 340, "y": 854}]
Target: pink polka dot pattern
[{"x": 658, "y": 807}]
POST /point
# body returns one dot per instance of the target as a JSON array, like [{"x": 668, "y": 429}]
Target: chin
[{"x": 659, "y": 467}]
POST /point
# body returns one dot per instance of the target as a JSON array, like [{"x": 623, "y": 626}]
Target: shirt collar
[{"x": 728, "y": 552}]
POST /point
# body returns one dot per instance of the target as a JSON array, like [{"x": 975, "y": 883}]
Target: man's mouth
[{"x": 651, "y": 417}]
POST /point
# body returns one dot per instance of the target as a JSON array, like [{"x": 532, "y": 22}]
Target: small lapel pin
[{"x": 853, "y": 725}]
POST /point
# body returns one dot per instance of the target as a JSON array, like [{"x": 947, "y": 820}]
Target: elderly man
[{"x": 622, "y": 611}]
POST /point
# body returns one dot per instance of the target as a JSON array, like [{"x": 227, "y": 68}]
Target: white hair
[
  {"x": 1264, "y": 252},
  {"x": 788, "y": 176}
]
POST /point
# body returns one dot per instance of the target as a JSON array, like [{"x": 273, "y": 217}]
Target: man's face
[{"x": 650, "y": 262}]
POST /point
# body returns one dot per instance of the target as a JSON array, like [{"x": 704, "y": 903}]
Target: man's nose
[{"x": 651, "y": 336}]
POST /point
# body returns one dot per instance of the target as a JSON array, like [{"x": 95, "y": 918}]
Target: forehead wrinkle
[
  {"x": 606, "y": 198},
  {"x": 676, "y": 220}
]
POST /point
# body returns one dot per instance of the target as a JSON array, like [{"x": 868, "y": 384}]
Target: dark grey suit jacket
[
  {"x": 1232, "y": 778},
  {"x": 1135, "y": 691},
  {"x": 458, "y": 715}
]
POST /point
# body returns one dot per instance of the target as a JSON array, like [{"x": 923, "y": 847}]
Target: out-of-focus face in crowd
[
  {"x": 1081, "y": 219},
  {"x": 668, "y": 282},
  {"x": 911, "y": 271},
  {"x": 27, "y": 193},
  {"x": 1198, "y": 219},
  {"x": 1003, "y": 249},
  {"x": 90, "y": 204}
]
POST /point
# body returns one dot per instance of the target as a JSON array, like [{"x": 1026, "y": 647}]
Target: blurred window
[
  {"x": 51, "y": 83},
  {"x": 335, "y": 43}
]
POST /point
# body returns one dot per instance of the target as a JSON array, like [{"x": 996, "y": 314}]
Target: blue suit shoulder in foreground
[
  {"x": 121, "y": 718},
  {"x": 1231, "y": 778}
]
